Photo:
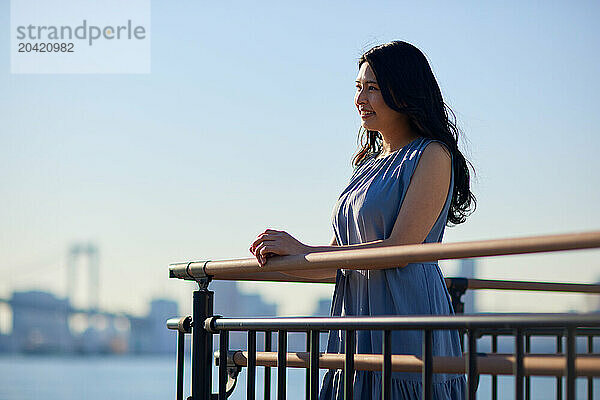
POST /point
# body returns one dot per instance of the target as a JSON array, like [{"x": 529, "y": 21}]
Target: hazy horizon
[{"x": 247, "y": 121}]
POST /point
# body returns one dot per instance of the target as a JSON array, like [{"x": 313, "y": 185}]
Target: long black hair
[{"x": 408, "y": 86}]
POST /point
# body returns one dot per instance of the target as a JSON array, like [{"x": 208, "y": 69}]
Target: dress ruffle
[{"x": 367, "y": 385}]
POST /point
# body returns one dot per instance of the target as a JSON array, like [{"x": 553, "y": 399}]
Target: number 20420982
[{"x": 46, "y": 47}]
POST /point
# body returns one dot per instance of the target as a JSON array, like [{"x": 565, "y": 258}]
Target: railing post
[
  {"x": 590, "y": 380},
  {"x": 494, "y": 377},
  {"x": 267, "y": 376},
  {"x": 458, "y": 287},
  {"x": 183, "y": 326},
  {"x": 559, "y": 379},
  {"x": 223, "y": 348},
  {"x": 314, "y": 364},
  {"x": 427, "y": 373},
  {"x": 386, "y": 372},
  {"x": 281, "y": 364},
  {"x": 307, "y": 372},
  {"x": 472, "y": 377},
  {"x": 180, "y": 363},
  {"x": 349, "y": 364},
  {"x": 571, "y": 351},
  {"x": 527, "y": 378},
  {"x": 518, "y": 368},
  {"x": 202, "y": 345},
  {"x": 251, "y": 370}
]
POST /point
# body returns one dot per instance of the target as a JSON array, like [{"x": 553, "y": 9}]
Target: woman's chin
[{"x": 368, "y": 125}]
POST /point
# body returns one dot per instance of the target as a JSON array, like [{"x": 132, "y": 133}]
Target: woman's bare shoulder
[{"x": 437, "y": 150}]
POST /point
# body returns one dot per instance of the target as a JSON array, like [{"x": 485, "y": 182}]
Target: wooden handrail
[
  {"x": 389, "y": 257},
  {"x": 531, "y": 286},
  {"x": 493, "y": 363}
]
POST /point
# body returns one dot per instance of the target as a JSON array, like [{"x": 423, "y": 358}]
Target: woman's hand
[{"x": 276, "y": 242}]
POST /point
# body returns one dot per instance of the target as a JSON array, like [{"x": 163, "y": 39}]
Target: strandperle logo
[
  {"x": 80, "y": 37},
  {"x": 84, "y": 31}
]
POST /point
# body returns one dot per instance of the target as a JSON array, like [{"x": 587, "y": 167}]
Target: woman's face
[{"x": 375, "y": 114}]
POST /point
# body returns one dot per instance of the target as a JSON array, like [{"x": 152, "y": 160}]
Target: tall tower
[
  {"x": 90, "y": 253},
  {"x": 467, "y": 270}
]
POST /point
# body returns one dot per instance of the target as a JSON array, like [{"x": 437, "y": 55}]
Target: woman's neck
[{"x": 389, "y": 145}]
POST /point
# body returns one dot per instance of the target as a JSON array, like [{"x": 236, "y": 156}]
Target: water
[
  {"x": 90, "y": 378},
  {"x": 153, "y": 377}
]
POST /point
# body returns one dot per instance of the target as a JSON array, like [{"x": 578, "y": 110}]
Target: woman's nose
[{"x": 360, "y": 98}]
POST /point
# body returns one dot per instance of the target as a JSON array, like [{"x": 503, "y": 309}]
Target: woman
[{"x": 409, "y": 181}]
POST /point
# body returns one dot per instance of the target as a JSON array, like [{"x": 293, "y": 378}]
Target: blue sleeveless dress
[{"x": 366, "y": 211}]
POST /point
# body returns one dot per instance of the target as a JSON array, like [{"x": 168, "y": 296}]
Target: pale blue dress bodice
[{"x": 366, "y": 211}]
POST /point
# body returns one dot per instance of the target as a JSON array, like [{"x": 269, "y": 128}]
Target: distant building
[
  {"x": 43, "y": 323},
  {"x": 149, "y": 335},
  {"x": 229, "y": 301},
  {"x": 323, "y": 308},
  {"x": 40, "y": 323}
]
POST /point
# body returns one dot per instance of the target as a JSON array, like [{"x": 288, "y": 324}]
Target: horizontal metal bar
[
  {"x": 300, "y": 324},
  {"x": 498, "y": 364},
  {"x": 472, "y": 284},
  {"x": 538, "y": 331},
  {"x": 181, "y": 324},
  {"x": 388, "y": 256},
  {"x": 494, "y": 284}
]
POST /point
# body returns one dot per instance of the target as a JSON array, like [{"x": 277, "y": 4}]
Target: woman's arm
[
  {"x": 314, "y": 273},
  {"x": 422, "y": 205}
]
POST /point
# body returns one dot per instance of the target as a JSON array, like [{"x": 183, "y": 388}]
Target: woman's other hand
[{"x": 276, "y": 242}]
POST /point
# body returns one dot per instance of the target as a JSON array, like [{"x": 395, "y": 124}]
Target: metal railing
[{"x": 522, "y": 364}]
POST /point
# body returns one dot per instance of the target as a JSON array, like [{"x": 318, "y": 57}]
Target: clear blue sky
[{"x": 247, "y": 122}]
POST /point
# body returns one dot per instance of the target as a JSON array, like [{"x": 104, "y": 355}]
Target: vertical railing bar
[
  {"x": 281, "y": 363},
  {"x": 472, "y": 365},
  {"x": 307, "y": 371},
  {"x": 590, "y": 380},
  {"x": 494, "y": 377},
  {"x": 571, "y": 363},
  {"x": 349, "y": 364},
  {"x": 314, "y": 364},
  {"x": 518, "y": 367},
  {"x": 198, "y": 335},
  {"x": 223, "y": 348},
  {"x": 386, "y": 373},
  {"x": 180, "y": 363},
  {"x": 527, "y": 378},
  {"x": 201, "y": 345},
  {"x": 251, "y": 377},
  {"x": 559, "y": 379},
  {"x": 427, "y": 377},
  {"x": 267, "y": 378}
]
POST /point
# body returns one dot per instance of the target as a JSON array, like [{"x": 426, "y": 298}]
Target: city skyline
[
  {"x": 247, "y": 122},
  {"x": 40, "y": 322}
]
